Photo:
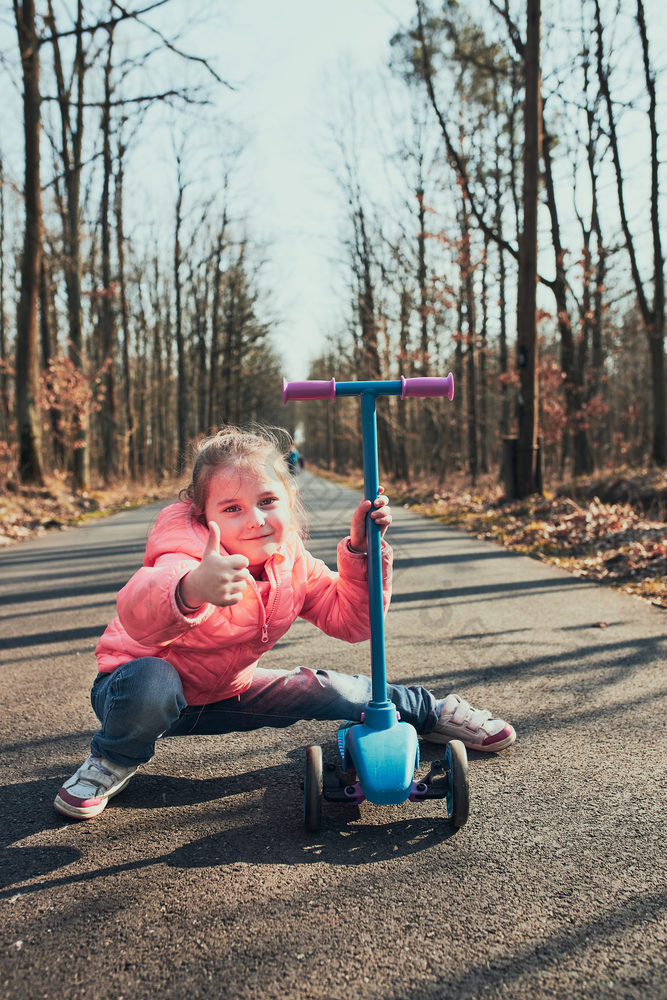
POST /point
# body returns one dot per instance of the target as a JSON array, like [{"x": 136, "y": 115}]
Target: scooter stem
[{"x": 373, "y": 550}]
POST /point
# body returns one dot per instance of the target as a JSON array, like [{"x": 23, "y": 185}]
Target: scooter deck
[{"x": 385, "y": 760}]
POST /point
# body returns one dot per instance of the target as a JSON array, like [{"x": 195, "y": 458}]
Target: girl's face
[{"x": 253, "y": 511}]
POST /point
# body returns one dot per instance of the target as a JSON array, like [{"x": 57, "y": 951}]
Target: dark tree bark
[
  {"x": 107, "y": 325},
  {"x": 182, "y": 386},
  {"x": 4, "y": 376},
  {"x": 71, "y": 145},
  {"x": 527, "y": 458},
  {"x": 575, "y": 430},
  {"x": 30, "y": 468},
  {"x": 214, "y": 353},
  {"x": 128, "y": 389}
]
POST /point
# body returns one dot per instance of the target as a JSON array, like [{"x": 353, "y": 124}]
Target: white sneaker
[
  {"x": 475, "y": 727},
  {"x": 87, "y": 792}
]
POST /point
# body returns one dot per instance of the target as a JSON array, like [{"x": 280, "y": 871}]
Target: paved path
[{"x": 199, "y": 880}]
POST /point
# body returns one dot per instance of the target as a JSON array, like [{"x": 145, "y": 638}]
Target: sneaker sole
[
  {"x": 501, "y": 744},
  {"x": 78, "y": 812},
  {"x": 67, "y": 805}
]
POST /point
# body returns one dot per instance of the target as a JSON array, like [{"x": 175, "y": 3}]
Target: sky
[
  {"x": 288, "y": 61},
  {"x": 281, "y": 56}
]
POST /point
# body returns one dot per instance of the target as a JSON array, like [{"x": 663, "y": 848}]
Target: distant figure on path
[{"x": 294, "y": 460}]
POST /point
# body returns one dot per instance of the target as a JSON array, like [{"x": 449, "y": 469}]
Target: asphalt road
[{"x": 200, "y": 881}]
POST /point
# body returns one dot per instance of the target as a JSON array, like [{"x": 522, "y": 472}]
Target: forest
[{"x": 517, "y": 241}]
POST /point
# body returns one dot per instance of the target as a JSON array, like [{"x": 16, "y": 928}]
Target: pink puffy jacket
[{"x": 216, "y": 651}]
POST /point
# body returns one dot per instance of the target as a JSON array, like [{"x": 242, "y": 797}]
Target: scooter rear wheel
[
  {"x": 312, "y": 789},
  {"x": 456, "y": 761}
]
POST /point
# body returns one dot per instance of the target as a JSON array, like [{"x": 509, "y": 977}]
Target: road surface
[{"x": 200, "y": 881}]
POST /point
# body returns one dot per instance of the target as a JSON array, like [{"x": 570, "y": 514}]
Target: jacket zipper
[
  {"x": 271, "y": 608},
  {"x": 268, "y": 612}
]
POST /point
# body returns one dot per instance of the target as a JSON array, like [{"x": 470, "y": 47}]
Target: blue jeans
[{"x": 143, "y": 700}]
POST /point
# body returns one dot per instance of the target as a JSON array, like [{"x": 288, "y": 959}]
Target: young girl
[{"x": 225, "y": 574}]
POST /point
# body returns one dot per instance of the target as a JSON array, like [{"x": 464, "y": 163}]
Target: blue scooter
[{"x": 381, "y": 750}]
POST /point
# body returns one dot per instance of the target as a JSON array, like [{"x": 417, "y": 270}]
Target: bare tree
[
  {"x": 128, "y": 393},
  {"x": 528, "y": 456},
  {"x": 107, "y": 324},
  {"x": 653, "y": 313},
  {"x": 4, "y": 375},
  {"x": 71, "y": 146},
  {"x": 27, "y": 338},
  {"x": 182, "y": 387}
]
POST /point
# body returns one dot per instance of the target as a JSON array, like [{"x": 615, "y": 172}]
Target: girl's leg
[
  {"x": 135, "y": 704},
  {"x": 279, "y": 698}
]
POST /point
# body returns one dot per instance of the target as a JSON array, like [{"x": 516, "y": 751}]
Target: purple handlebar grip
[
  {"x": 422, "y": 387},
  {"x": 309, "y": 390}
]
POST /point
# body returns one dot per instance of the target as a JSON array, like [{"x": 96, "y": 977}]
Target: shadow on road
[
  {"x": 345, "y": 839},
  {"x": 336, "y": 844},
  {"x": 601, "y": 931},
  {"x": 614, "y": 658}
]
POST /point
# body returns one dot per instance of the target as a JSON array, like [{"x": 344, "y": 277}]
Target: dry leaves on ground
[
  {"x": 612, "y": 543},
  {"x": 27, "y": 512},
  {"x": 609, "y": 543}
]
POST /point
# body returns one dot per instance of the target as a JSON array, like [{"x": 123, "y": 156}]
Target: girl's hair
[{"x": 254, "y": 450}]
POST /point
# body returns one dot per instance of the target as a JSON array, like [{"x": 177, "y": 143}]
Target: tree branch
[
  {"x": 142, "y": 98},
  {"x": 603, "y": 78},
  {"x": 90, "y": 29},
  {"x": 169, "y": 45},
  {"x": 512, "y": 29},
  {"x": 455, "y": 159}
]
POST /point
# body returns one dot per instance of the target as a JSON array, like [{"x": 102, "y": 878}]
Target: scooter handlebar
[
  {"x": 429, "y": 386},
  {"x": 309, "y": 390},
  {"x": 406, "y": 388}
]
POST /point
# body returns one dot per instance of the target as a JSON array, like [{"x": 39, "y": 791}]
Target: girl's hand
[
  {"x": 218, "y": 579},
  {"x": 381, "y": 514}
]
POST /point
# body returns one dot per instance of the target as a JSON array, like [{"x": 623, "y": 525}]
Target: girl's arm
[
  {"x": 337, "y": 603},
  {"x": 148, "y": 605},
  {"x": 183, "y": 561}
]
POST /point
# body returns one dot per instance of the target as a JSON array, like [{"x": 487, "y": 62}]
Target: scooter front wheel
[
  {"x": 312, "y": 789},
  {"x": 458, "y": 799}
]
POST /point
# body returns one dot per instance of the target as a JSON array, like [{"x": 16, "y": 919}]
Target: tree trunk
[
  {"x": 503, "y": 359},
  {"x": 49, "y": 350},
  {"x": 421, "y": 281},
  {"x": 468, "y": 302},
  {"x": 527, "y": 471},
  {"x": 483, "y": 354},
  {"x": 71, "y": 152},
  {"x": 371, "y": 367},
  {"x": 161, "y": 397},
  {"x": 214, "y": 355},
  {"x": 28, "y": 417},
  {"x": 401, "y": 448},
  {"x": 655, "y": 323},
  {"x": 107, "y": 329},
  {"x": 653, "y": 315},
  {"x": 575, "y": 430},
  {"x": 182, "y": 386},
  {"x": 4, "y": 378},
  {"x": 128, "y": 394},
  {"x": 200, "y": 299}
]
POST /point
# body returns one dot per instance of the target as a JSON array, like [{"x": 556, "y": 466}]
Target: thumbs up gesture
[{"x": 218, "y": 579}]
